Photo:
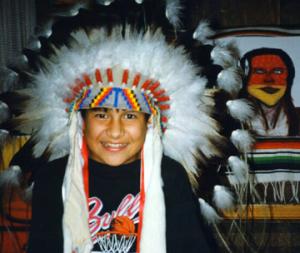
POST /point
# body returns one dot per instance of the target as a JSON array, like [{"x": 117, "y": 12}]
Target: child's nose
[{"x": 115, "y": 128}]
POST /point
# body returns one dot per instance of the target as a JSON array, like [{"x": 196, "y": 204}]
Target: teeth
[{"x": 114, "y": 145}]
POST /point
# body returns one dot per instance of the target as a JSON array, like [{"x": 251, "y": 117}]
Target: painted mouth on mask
[{"x": 270, "y": 90}]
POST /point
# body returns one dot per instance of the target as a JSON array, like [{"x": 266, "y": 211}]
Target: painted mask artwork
[{"x": 269, "y": 74}]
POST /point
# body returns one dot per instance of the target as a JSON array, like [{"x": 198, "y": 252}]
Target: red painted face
[{"x": 268, "y": 78}]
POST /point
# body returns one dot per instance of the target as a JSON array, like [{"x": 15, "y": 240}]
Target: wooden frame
[{"x": 263, "y": 211}]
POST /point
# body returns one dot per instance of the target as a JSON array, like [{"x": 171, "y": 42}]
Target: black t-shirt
[
  {"x": 114, "y": 204},
  {"x": 185, "y": 231}
]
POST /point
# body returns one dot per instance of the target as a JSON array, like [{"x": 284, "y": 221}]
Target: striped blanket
[{"x": 274, "y": 168}]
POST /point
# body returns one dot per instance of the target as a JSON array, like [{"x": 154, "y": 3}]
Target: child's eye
[
  {"x": 101, "y": 115},
  {"x": 130, "y": 116}
]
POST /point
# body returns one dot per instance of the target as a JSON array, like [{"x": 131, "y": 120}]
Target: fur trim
[
  {"x": 230, "y": 80},
  {"x": 240, "y": 109},
  {"x": 203, "y": 32},
  {"x": 153, "y": 235},
  {"x": 223, "y": 198},
  {"x": 208, "y": 212},
  {"x": 173, "y": 12},
  {"x": 239, "y": 168},
  {"x": 242, "y": 140}
]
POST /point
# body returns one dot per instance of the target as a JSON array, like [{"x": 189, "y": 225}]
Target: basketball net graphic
[{"x": 120, "y": 238}]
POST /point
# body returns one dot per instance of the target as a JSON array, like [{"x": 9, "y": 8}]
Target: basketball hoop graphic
[{"x": 120, "y": 238}]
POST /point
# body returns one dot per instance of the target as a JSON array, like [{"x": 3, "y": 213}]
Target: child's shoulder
[
  {"x": 52, "y": 170},
  {"x": 172, "y": 169}
]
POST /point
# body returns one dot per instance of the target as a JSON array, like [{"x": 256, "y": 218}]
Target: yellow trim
[
  {"x": 275, "y": 211},
  {"x": 11, "y": 147}
]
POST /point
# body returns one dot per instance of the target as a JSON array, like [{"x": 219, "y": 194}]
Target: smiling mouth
[
  {"x": 114, "y": 146},
  {"x": 270, "y": 90}
]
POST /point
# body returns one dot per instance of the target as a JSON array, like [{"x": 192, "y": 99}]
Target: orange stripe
[
  {"x": 125, "y": 76},
  {"x": 130, "y": 99},
  {"x": 277, "y": 145},
  {"x": 85, "y": 169},
  {"x": 154, "y": 86},
  {"x": 163, "y": 99},
  {"x": 146, "y": 84},
  {"x": 164, "y": 107},
  {"x": 142, "y": 203},
  {"x": 87, "y": 79},
  {"x": 98, "y": 76},
  {"x": 158, "y": 93},
  {"x": 136, "y": 80},
  {"x": 109, "y": 75}
]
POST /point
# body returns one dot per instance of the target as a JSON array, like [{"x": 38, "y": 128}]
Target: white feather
[
  {"x": 4, "y": 112},
  {"x": 73, "y": 11},
  {"x": 230, "y": 80},
  {"x": 46, "y": 29},
  {"x": 28, "y": 193},
  {"x": 222, "y": 56},
  {"x": 203, "y": 32},
  {"x": 104, "y": 2},
  {"x": 139, "y": 1},
  {"x": 173, "y": 12},
  {"x": 242, "y": 140},
  {"x": 208, "y": 212},
  {"x": 34, "y": 44},
  {"x": 223, "y": 198},
  {"x": 4, "y": 134},
  {"x": 10, "y": 177},
  {"x": 239, "y": 168},
  {"x": 8, "y": 79},
  {"x": 240, "y": 109}
]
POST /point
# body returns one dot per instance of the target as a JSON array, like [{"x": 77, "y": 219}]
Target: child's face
[{"x": 114, "y": 136}]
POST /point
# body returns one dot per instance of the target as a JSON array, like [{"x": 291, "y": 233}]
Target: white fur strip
[
  {"x": 75, "y": 218},
  {"x": 153, "y": 237}
]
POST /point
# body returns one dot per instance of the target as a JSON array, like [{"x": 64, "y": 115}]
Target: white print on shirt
[{"x": 129, "y": 207}]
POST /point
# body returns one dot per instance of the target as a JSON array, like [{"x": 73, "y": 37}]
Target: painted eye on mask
[
  {"x": 278, "y": 71},
  {"x": 259, "y": 71}
]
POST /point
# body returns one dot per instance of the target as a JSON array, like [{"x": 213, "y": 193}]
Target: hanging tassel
[
  {"x": 153, "y": 237},
  {"x": 230, "y": 80},
  {"x": 173, "y": 12},
  {"x": 223, "y": 198},
  {"x": 240, "y": 109},
  {"x": 75, "y": 218},
  {"x": 242, "y": 140},
  {"x": 239, "y": 168},
  {"x": 203, "y": 32},
  {"x": 208, "y": 212}
]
